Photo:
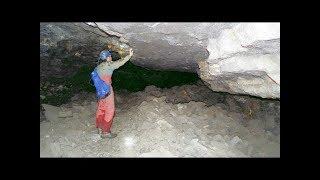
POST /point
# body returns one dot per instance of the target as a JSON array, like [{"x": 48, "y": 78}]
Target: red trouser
[{"x": 105, "y": 111}]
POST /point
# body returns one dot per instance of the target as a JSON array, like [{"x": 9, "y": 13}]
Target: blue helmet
[{"x": 104, "y": 54}]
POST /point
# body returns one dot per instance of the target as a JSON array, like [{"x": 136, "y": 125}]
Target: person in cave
[{"x": 106, "y": 108}]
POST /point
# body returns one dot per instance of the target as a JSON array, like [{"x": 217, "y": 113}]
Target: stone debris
[{"x": 150, "y": 126}]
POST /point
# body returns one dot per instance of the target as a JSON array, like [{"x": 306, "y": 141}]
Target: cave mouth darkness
[
  {"x": 57, "y": 91},
  {"x": 171, "y": 99}
]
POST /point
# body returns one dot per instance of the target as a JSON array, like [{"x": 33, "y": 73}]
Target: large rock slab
[{"x": 239, "y": 58}]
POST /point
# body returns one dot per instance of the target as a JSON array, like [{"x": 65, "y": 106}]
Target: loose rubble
[{"x": 160, "y": 123}]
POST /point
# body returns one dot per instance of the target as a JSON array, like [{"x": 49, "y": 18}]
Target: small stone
[
  {"x": 164, "y": 124},
  {"x": 270, "y": 123},
  {"x": 172, "y": 113},
  {"x": 180, "y": 106},
  {"x": 235, "y": 140},
  {"x": 194, "y": 140},
  {"x": 77, "y": 54},
  {"x": 218, "y": 138},
  {"x": 60, "y": 87},
  {"x": 64, "y": 114}
]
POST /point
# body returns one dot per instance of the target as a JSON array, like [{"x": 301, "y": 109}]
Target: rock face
[
  {"x": 65, "y": 47},
  {"x": 239, "y": 58},
  {"x": 245, "y": 59}
]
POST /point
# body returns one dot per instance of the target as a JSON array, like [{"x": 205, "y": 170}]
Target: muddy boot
[
  {"x": 99, "y": 131},
  {"x": 108, "y": 135}
]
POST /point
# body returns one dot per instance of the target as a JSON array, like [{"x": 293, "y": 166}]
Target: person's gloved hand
[{"x": 130, "y": 52}]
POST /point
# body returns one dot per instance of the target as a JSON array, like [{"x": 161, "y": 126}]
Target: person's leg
[
  {"x": 109, "y": 114},
  {"x": 100, "y": 113}
]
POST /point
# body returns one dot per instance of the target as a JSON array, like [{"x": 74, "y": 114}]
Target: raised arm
[{"x": 119, "y": 63}]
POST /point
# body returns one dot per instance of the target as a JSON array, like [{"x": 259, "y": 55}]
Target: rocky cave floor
[{"x": 184, "y": 121}]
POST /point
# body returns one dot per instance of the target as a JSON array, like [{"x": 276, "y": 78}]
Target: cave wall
[
  {"x": 238, "y": 58},
  {"x": 66, "y": 47}
]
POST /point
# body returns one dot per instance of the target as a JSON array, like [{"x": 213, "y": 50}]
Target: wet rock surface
[{"x": 151, "y": 124}]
